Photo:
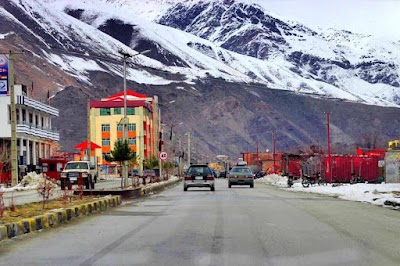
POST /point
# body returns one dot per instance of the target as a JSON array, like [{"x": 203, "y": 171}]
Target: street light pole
[{"x": 124, "y": 125}]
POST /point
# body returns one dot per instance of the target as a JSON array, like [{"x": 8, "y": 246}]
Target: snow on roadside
[
  {"x": 28, "y": 182},
  {"x": 376, "y": 194}
]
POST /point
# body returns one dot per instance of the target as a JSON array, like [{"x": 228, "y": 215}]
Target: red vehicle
[
  {"x": 5, "y": 173},
  {"x": 52, "y": 167},
  {"x": 291, "y": 165}
]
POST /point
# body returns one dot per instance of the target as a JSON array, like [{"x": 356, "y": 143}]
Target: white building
[{"x": 35, "y": 136}]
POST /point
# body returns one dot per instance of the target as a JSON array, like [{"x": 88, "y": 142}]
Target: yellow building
[{"x": 143, "y": 126}]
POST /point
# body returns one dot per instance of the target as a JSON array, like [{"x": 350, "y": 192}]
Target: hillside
[{"x": 232, "y": 83}]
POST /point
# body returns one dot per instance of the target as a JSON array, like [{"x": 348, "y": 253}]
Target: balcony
[
  {"x": 23, "y": 100},
  {"x": 45, "y": 133}
]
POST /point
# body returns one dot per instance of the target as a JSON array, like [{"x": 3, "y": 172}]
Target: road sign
[{"x": 163, "y": 155}]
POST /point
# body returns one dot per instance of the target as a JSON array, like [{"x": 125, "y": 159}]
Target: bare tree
[{"x": 368, "y": 141}]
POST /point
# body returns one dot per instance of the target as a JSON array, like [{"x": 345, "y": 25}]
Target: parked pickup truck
[{"x": 78, "y": 172}]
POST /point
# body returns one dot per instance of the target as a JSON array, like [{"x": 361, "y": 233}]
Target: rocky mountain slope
[{"x": 243, "y": 75}]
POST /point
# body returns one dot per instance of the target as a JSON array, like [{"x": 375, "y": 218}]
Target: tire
[
  {"x": 185, "y": 188},
  {"x": 229, "y": 185},
  {"x": 95, "y": 178},
  {"x": 87, "y": 183},
  {"x": 63, "y": 183},
  {"x": 305, "y": 183},
  {"x": 92, "y": 183},
  {"x": 212, "y": 188},
  {"x": 252, "y": 185}
]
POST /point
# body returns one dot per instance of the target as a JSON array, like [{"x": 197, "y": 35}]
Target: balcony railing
[
  {"x": 23, "y": 100},
  {"x": 37, "y": 131}
]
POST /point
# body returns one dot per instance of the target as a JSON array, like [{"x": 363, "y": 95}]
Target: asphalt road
[{"x": 237, "y": 226}]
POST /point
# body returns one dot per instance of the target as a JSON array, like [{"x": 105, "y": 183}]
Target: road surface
[{"x": 237, "y": 226}]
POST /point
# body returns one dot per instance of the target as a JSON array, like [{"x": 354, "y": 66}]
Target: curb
[
  {"x": 56, "y": 217},
  {"x": 158, "y": 187}
]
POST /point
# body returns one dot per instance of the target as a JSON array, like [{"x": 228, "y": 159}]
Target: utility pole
[
  {"x": 189, "y": 147},
  {"x": 329, "y": 167},
  {"x": 273, "y": 155},
  {"x": 14, "y": 159}
]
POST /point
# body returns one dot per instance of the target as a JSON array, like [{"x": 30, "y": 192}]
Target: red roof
[
  {"x": 129, "y": 95},
  {"x": 84, "y": 146},
  {"x": 113, "y": 104}
]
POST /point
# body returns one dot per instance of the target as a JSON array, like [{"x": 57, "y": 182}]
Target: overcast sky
[{"x": 376, "y": 17}]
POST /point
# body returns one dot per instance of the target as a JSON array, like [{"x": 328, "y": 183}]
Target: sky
[{"x": 377, "y": 17}]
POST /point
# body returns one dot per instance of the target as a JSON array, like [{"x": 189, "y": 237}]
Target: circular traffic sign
[{"x": 163, "y": 155}]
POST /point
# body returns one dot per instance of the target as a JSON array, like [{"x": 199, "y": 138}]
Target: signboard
[
  {"x": 163, "y": 155},
  {"x": 3, "y": 75},
  {"x": 392, "y": 167}
]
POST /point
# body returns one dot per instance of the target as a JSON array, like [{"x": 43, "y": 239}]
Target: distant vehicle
[
  {"x": 222, "y": 174},
  {"x": 149, "y": 174},
  {"x": 78, "y": 172},
  {"x": 199, "y": 175},
  {"x": 240, "y": 175}
]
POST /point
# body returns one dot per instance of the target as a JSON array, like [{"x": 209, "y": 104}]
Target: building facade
[
  {"x": 36, "y": 139},
  {"x": 143, "y": 126}
]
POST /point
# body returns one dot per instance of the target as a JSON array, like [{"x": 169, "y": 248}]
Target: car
[
  {"x": 148, "y": 173},
  {"x": 240, "y": 175},
  {"x": 199, "y": 175},
  {"x": 78, "y": 172},
  {"x": 222, "y": 174}
]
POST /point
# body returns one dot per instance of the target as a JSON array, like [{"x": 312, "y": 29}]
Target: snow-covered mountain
[
  {"x": 220, "y": 59},
  {"x": 238, "y": 42}
]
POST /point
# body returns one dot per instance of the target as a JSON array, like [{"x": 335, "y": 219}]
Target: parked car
[
  {"x": 199, "y": 175},
  {"x": 78, "y": 172},
  {"x": 149, "y": 174},
  {"x": 240, "y": 175}
]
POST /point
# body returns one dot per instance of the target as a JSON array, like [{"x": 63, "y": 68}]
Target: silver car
[
  {"x": 199, "y": 175},
  {"x": 240, "y": 175}
]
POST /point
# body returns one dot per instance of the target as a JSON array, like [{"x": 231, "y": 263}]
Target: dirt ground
[{"x": 33, "y": 209}]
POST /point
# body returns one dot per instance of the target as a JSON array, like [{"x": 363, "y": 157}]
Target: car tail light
[
  {"x": 188, "y": 178},
  {"x": 210, "y": 178}
]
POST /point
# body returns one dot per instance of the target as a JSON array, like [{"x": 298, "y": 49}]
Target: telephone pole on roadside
[{"x": 14, "y": 159}]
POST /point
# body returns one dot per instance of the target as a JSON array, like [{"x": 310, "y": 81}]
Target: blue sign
[{"x": 3, "y": 75}]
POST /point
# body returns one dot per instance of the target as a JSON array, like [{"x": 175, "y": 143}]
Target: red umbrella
[{"x": 84, "y": 146}]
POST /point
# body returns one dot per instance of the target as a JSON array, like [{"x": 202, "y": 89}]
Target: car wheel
[
  {"x": 212, "y": 188},
  {"x": 95, "y": 178},
  {"x": 185, "y": 188},
  {"x": 229, "y": 185},
  {"x": 252, "y": 185},
  {"x": 63, "y": 184},
  {"x": 87, "y": 183}
]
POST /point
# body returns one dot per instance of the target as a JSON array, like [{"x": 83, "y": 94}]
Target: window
[
  {"x": 131, "y": 141},
  {"x": 117, "y": 111},
  {"x": 105, "y": 154},
  {"x": 105, "y": 142},
  {"x": 131, "y": 127},
  {"x": 105, "y": 111},
  {"x": 130, "y": 111},
  {"x": 120, "y": 127},
  {"x": 105, "y": 127}
]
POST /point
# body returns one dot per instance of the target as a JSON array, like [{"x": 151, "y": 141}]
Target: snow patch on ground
[
  {"x": 376, "y": 194},
  {"x": 28, "y": 182}
]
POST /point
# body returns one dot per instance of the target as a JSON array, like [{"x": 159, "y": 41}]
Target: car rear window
[
  {"x": 242, "y": 170},
  {"x": 199, "y": 170}
]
